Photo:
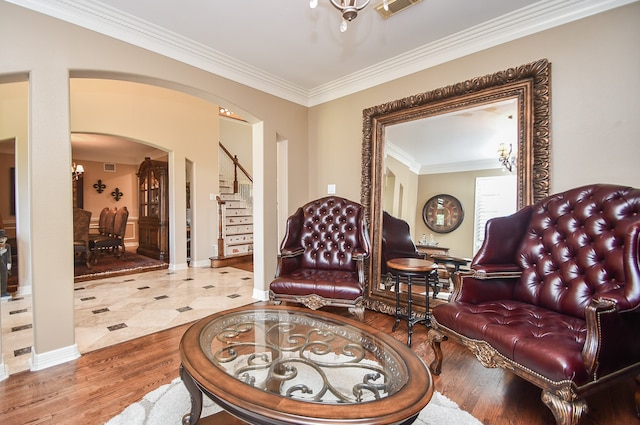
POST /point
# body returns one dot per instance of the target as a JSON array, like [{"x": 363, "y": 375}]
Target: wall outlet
[{"x": 331, "y": 189}]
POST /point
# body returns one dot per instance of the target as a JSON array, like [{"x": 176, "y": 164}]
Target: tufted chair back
[
  {"x": 396, "y": 241},
  {"x": 322, "y": 256},
  {"x": 331, "y": 231},
  {"x": 577, "y": 246}
]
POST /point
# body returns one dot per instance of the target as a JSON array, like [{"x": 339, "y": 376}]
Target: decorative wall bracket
[
  {"x": 99, "y": 187},
  {"x": 117, "y": 194}
]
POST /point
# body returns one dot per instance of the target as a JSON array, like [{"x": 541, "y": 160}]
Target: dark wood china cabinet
[{"x": 153, "y": 223}]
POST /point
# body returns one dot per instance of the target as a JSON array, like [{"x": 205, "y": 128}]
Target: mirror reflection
[
  {"x": 445, "y": 161},
  {"x": 469, "y": 155}
]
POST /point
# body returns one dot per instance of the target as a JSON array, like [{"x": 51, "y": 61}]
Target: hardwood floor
[{"x": 102, "y": 383}]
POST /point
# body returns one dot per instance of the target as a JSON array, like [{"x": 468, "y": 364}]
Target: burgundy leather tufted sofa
[
  {"x": 321, "y": 260},
  {"x": 554, "y": 296}
]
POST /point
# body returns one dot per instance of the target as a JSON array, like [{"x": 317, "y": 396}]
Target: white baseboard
[
  {"x": 182, "y": 266},
  {"x": 201, "y": 263},
  {"x": 24, "y": 290},
  {"x": 4, "y": 373},
  {"x": 260, "y": 295},
  {"x": 53, "y": 357}
]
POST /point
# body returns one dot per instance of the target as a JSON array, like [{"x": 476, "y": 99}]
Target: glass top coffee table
[{"x": 288, "y": 365}]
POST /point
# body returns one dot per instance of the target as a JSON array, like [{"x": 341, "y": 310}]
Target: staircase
[{"x": 235, "y": 210}]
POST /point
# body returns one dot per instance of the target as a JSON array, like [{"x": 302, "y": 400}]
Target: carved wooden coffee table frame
[{"x": 243, "y": 403}]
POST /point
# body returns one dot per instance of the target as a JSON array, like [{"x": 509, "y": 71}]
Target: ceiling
[
  {"x": 464, "y": 140},
  {"x": 106, "y": 148},
  {"x": 285, "y": 48}
]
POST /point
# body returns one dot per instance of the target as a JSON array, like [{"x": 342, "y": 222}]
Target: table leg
[
  {"x": 398, "y": 309},
  {"x": 196, "y": 398},
  {"x": 434, "y": 282},
  {"x": 435, "y": 279},
  {"x": 410, "y": 310}
]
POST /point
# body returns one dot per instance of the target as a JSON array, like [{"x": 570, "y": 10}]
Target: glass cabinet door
[
  {"x": 144, "y": 196},
  {"x": 154, "y": 195}
]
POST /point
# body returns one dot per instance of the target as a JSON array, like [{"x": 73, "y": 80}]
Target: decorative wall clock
[{"x": 442, "y": 213}]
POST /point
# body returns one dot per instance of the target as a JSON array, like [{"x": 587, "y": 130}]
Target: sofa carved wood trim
[{"x": 553, "y": 295}]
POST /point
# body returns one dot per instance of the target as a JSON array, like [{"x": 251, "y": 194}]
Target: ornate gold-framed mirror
[{"x": 529, "y": 85}]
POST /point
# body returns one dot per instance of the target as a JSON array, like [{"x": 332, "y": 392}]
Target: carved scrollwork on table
[{"x": 298, "y": 356}]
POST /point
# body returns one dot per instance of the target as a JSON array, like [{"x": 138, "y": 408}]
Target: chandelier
[
  {"x": 507, "y": 160},
  {"x": 348, "y": 8}
]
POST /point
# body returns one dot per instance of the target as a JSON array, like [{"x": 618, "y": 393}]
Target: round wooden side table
[{"x": 423, "y": 272}]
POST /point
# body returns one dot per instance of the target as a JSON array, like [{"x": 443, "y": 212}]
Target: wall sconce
[
  {"x": 117, "y": 194},
  {"x": 99, "y": 187},
  {"x": 76, "y": 171},
  {"x": 507, "y": 160}
]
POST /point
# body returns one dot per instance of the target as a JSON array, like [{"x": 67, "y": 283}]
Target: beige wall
[
  {"x": 13, "y": 125},
  {"x": 47, "y": 52},
  {"x": 594, "y": 129},
  {"x": 165, "y": 119},
  {"x": 405, "y": 186},
  {"x": 462, "y": 186},
  {"x": 236, "y": 137},
  {"x": 6, "y": 164},
  {"x": 126, "y": 180}
]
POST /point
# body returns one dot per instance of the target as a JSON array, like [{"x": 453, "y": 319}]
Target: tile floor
[{"x": 112, "y": 310}]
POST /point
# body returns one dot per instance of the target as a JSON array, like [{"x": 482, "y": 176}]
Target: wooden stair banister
[
  {"x": 236, "y": 246},
  {"x": 220, "y": 236},
  {"x": 236, "y": 165}
]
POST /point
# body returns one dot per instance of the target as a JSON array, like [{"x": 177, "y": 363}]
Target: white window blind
[{"x": 495, "y": 197}]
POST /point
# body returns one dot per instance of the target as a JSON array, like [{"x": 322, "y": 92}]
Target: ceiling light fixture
[
  {"x": 348, "y": 8},
  {"x": 507, "y": 160}
]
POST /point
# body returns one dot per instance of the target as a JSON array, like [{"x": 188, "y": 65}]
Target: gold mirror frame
[{"x": 529, "y": 84}]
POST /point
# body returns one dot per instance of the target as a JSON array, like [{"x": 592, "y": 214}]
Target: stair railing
[
  {"x": 229, "y": 165},
  {"x": 228, "y": 162}
]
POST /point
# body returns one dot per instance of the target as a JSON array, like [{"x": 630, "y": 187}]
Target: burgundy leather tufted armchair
[
  {"x": 321, "y": 260},
  {"x": 396, "y": 241},
  {"x": 554, "y": 296}
]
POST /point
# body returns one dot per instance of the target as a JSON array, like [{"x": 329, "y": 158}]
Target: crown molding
[
  {"x": 103, "y": 19},
  {"x": 529, "y": 20},
  {"x": 98, "y": 17},
  {"x": 422, "y": 169},
  {"x": 460, "y": 167},
  {"x": 403, "y": 157}
]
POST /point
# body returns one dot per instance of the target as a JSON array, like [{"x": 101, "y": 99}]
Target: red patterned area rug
[{"x": 109, "y": 266}]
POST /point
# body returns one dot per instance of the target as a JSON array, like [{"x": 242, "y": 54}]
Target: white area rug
[{"x": 166, "y": 406}]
